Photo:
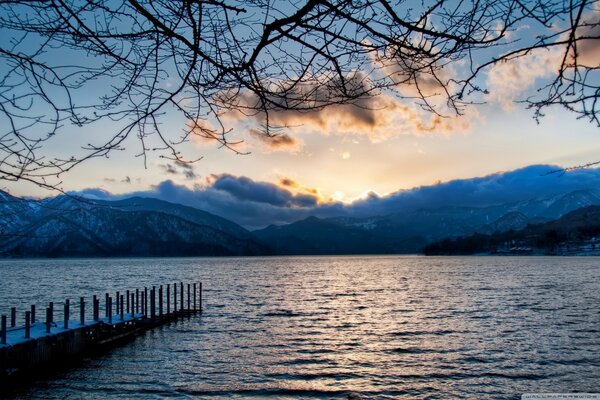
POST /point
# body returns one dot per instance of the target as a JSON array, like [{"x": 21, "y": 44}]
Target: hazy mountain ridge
[
  {"x": 411, "y": 231},
  {"x": 65, "y": 226},
  {"x": 577, "y": 232}
]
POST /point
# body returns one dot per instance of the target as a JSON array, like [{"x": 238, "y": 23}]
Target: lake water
[{"x": 337, "y": 327}]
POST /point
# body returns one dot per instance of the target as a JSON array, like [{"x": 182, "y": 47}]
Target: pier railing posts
[
  {"x": 175, "y": 298},
  {"x": 145, "y": 301},
  {"x": 48, "y": 319},
  {"x": 32, "y": 314},
  {"x": 118, "y": 299},
  {"x": 132, "y": 305},
  {"x": 195, "y": 309},
  {"x": 127, "y": 301},
  {"x": 181, "y": 297},
  {"x": 189, "y": 303},
  {"x": 153, "y": 302},
  {"x": 82, "y": 310},
  {"x": 27, "y": 324},
  {"x": 160, "y": 301},
  {"x": 13, "y": 317},
  {"x": 122, "y": 308},
  {"x": 67, "y": 306},
  {"x": 95, "y": 308},
  {"x": 168, "y": 299},
  {"x": 106, "y": 302},
  {"x": 3, "y": 330},
  {"x": 110, "y": 310}
]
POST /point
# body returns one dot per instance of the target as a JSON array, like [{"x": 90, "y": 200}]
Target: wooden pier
[{"x": 43, "y": 343}]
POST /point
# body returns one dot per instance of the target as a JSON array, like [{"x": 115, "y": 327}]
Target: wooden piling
[
  {"x": 189, "y": 303},
  {"x": 109, "y": 310},
  {"x": 152, "y": 302},
  {"x": 137, "y": 301},
  {"x": 107, "y": 305},
  {"x": 146, "y": 311},
  {"x": 67, "y": 311},
  {"x": 132, "y": 305},
  {"x": 168, "y": 299},
  {"x": 27, "y": 324},
  {"x": 195, "y": 309},
  {"x": 175, "y": 298},
  {"x": 122, "y": 308},
  {"x": 200, "y": 297},
  {"x": 13, "y": 317},
  {"x": 48, "y": 319},
  {"x": 181, "y": 297},
  {"x": 160, "y": 301},
  {"x": 82, "y": 311},
  {"x": 96, "y": 308},
  {"x": 127, "y": 301},
  {"x": 3, "y": 330}
]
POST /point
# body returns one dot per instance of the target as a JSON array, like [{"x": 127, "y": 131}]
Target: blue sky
[{"x": 330, "y": 159}]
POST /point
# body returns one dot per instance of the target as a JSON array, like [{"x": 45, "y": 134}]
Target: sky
[{"x": 344, "y": 155}]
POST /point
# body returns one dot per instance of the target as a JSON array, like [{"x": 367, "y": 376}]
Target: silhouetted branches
[{"x": 128, "y": 63}]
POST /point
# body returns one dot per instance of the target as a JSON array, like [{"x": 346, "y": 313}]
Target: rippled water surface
[{"x": 337, "y": 327}]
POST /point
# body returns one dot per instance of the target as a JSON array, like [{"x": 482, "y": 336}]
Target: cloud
[
  {"x": 511, "y": 79},
  {"x": 588, "y": 49},
  {"x": 276, "y": 142},
  {"x": 379, "y": 116},
  {"x": 245, "y": 189},
  {"x": 507, "y": 80},
  {"x": 255, "y": 204},
  {"x": 178, "y": 168}
]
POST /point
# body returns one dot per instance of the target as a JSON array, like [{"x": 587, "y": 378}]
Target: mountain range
[{"x": 68, "y": 226}]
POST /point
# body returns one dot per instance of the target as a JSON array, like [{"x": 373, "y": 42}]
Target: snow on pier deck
[{"x": 46, "y": 343}]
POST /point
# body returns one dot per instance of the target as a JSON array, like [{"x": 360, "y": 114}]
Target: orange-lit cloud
[
  {"x": 275, "y": 142},
  {"x": 379, "y": 116}
]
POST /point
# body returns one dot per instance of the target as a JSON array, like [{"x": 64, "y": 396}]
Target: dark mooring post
[
  {"x": 110, "y": 310},
  {"x": 13, "y": 317},
  {"x": 118, "y": 299},
  {"x": 3, "y": 330},
  {"x": 175, "y": 298},
  {"x": 82, "y": 311},
  {"x": 152, "y": 302},
  {"x": 48, "y": 319},
  {"x": 27, "y": 324},
  {"x": 195, "y": 309},
  {"x": 106, "y": 303},
  {"x": 145, "y": 301},
  {"x": 96, "y": 308},
  {"x": 181, "y": 297},
  {"x": 132, "y": 305},
  {"x": 32, "y": 314},
  {"x": 67, "y": 306},
  {"x": 168, "y": 299},
  {"x": 160, "y": 301},
  {"x": 189, "y": 302},
  {"x": 128, "y": 302},
  {"x": 51, "y": 307},
  {"x": 122, "y": 308},
  {"x": 200, "y": 297},
  {"x": 137, "y": 301}
]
